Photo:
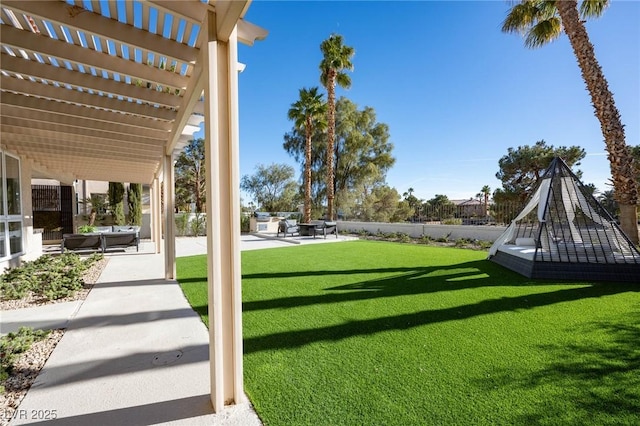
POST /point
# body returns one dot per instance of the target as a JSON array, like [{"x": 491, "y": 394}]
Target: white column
[
  {"x": 156, "y": 215},
  {"x": 169, "y": 220},
  {"x": 223, "y": 217}
]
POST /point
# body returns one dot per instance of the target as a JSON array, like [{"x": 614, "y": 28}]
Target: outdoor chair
[{"x": 287, "y": 227}]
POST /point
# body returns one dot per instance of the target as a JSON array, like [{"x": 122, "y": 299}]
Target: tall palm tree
[
  {"x": 336, "y": 59},
  {"x": 486, "y": 191},
  {"x": 542, "y": 21},
  {"x": 308, "y": 114}
]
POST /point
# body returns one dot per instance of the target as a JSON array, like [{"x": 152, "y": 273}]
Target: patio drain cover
[{"x": 166, "y": 358}]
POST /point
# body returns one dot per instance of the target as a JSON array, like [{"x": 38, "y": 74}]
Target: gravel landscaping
[{"x": 29, "y": 363}]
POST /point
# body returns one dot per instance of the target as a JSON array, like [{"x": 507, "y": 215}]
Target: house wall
[
  {"x": 31, "y": 242},
  {"x": 417, "y": 230}
]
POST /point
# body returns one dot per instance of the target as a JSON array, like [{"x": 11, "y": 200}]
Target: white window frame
[{"x": 6, "y": 218}]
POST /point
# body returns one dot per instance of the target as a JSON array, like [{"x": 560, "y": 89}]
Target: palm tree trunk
[
  {"x": 620, "y": 158},
  {"x": 307, "y": 172},
  {"x": 331, "y": 130}
]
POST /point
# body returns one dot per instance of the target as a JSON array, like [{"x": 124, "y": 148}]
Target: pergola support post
[
  {"x": 223, "y": 216},
  {"x": 169, "y": 220},
  {"x": 156, "y": 215}
]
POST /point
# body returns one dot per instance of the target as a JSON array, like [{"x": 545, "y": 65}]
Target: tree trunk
[
  {"x": 620, "y": 158},
  {"x": 331, "y": 130},
  {"x": 307, "y": 171}
]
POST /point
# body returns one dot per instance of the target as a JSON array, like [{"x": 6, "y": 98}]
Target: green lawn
[{"x": 378, "y": 333}]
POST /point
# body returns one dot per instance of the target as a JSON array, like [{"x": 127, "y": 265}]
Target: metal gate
[{"x": 52, "y": 210}]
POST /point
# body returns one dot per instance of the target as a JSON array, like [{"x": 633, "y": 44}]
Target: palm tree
[
  {"x": 486, "y": 191},
  {"x": 308, "y": 113},
  {"x": 542, "y": 21},
  {"x": 336, "y": 59}
]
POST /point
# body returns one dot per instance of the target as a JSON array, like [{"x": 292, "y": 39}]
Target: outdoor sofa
[
  {"x": 105, "y": 238},
  {"x": 318, "y": 227}
]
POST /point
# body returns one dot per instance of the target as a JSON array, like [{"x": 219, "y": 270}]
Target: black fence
[
  {"x": 461, "y": 214},
  {"x": 465, "y": 214},
  {"x": 52, "y": 210}
]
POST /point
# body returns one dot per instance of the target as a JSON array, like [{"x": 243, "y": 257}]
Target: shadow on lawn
[
  {"x": 588, "y": 381},
  {"x": 298, "y": 338},
  {"x": 410, "y": 281}
]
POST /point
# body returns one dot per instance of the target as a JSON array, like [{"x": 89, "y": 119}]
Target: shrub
[
  {"x": 134, "y": 201},
  {"x": 198, "y": 224},
  {"x": 452, "y": 221},
  {"x": 13, "y": 344},
  {"x": 444, "y": 238},
  {"x": 48, "y": 277},
  {"x": 182, "y": 223},
  {"x": 425, "y": 239},
  {"x": 402, "y": 237}
]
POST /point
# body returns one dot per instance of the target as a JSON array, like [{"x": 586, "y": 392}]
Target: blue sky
[{"x": 455, "y": 91}]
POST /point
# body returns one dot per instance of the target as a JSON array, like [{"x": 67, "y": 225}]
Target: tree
[
  {"x": 116, "y": 202},
  {"x": 413, "y": 202},
  {"x": 273, "y": 187},
  {"x": 362, "y": 154},
  {"x": 543, "y": 21},
  {"x": 190, "y": 176},
  {"x": 521, "y": 168},
  {"x": 307, "y": 114},
  {"x": 383, "y": 204},
  {"x": 362, "y": 150},
  {"x": 439, "y": 207},
  {"x": 485, "y": 192},
  {"x": 134, "y": 201},
  {"x": 336, "y": 59},
  {"x": 608, "y": 201}
]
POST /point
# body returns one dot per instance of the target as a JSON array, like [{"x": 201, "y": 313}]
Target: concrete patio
[{"x": 134, "y": 351}]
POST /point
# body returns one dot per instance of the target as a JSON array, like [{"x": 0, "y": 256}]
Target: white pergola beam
[
  {"x": 60, "y": 132},
  {"x": 92, "y": 23},
  {"x": 60, "y": 49},
  {"x": 83, "y": 98},
  {"x": 87, "y": 81},
  {"x": 44, "y": 117},
  {"x": 100, "y": 115},
  {"x": 191, "y": 12}
]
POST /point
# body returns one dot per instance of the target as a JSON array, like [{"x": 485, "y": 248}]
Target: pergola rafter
[
  {"x": 122, "y": 78},
  {"x": 109, "y": 91}
]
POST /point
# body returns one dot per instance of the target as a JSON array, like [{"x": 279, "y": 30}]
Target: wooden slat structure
[{"x": 109, "y": 91}]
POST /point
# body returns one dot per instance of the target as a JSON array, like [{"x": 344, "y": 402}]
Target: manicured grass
[{"x": 378, "y": 333}]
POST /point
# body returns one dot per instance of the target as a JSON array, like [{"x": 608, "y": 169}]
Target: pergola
[{"x": 109, "y": 91}]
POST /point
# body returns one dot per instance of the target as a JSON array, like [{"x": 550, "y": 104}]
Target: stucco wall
[{"x": 416, "y": 230}]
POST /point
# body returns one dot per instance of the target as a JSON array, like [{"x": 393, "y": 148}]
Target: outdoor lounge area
[
  {"x": 106, "y": 238},
  {"x": 311, "y": 229}
]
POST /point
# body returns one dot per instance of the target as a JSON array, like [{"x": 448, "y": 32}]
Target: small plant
[
  {"x": 452, "y": 221},
  {"x": 198, "y": 224},
  {"x": 425, "y": 239},
  {"x": 182, "y": 223},
  {"x": 245, "y": 223},
  {"x": 461, "y": 242},
  {"x": 13, "y": 344},
  {"x": 87, "y": 229},
  {"x": 444, "y": 238},
  {"x": 403, "y": 238},
  {"x": 483, "y": 244}
]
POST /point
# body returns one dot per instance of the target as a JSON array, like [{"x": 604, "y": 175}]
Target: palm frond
[
  {"x": 593, "y": 8},
  {"x": 543, "y": 32},
  {"x": 343, "y": 80},
  {"x": 520, "y": 18}
]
